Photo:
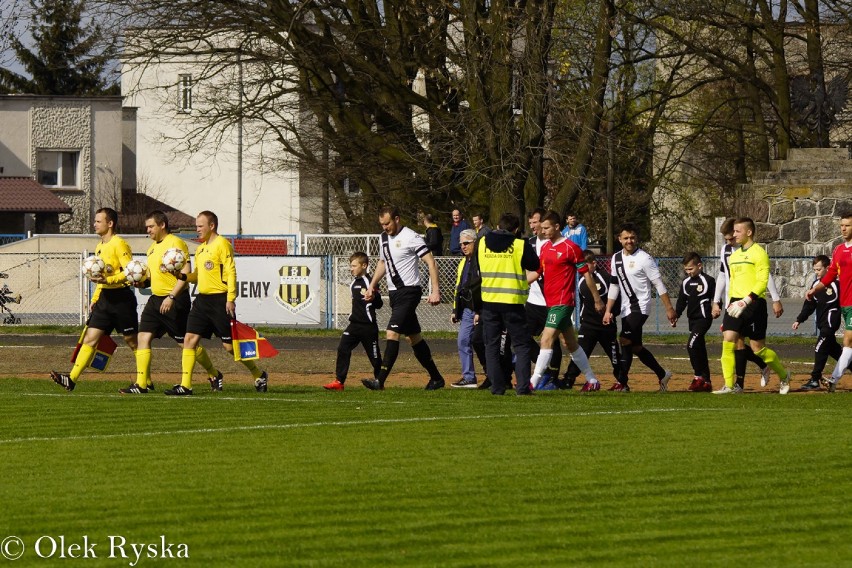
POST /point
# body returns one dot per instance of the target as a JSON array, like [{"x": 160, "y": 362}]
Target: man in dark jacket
[
  {"x": 504, "y": 263},
  {"x": 459, "y": 225}
]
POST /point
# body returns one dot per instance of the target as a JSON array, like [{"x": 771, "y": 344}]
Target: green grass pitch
[{"x": 303, "y": 477}]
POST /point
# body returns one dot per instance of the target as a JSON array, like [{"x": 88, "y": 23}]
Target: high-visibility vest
[{"x": 503, "y": 279}]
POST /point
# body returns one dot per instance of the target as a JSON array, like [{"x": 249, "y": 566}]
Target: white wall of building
[{"x": 192, "y": 170}]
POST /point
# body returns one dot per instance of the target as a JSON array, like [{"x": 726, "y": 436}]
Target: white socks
[
  {"x": 541, "y": 364},
  {"x": 582, "y": 362},
  {"x": 842, "y": 363}
]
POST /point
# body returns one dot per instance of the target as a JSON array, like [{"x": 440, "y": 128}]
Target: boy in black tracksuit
[
  {"x": 362, "y": 327},
  {"x": 696, "y": 297},
  {"x": 592, "y": 329},
  {"x": 826, "y": 304}
]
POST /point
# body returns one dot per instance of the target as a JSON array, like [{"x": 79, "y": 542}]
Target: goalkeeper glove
[{"x": 735, "y": 309}]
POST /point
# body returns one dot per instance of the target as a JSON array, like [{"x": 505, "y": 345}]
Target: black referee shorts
[
  {"x": 173, "y": 322},
  {"x": 115, "y": 309},
  {"x": 752, "y": 322},
  {"x": 208, "y": 316},
  {"x": 404, "y": 302}
]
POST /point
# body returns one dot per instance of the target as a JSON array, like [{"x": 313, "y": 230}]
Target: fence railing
[{"x": 52, "y": 289}]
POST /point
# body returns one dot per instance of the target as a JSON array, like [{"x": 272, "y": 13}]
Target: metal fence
[
  {"x": 792, "y": 276},
  {"x": 340, "y": 245},
  {"x": 7, "y": 238},
  {"x": 50, "y": 286},
  {"x": 53, "y": 291}
]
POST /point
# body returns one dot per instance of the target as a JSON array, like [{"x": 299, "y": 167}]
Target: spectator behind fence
[
  {"x": 434, "y": 237},
  {"x": 459, "y": 225}
]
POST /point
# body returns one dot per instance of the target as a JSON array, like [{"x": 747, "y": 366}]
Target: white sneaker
[
  {"x": 785, "y": 384},
  {"x": 664, "y": 382},
  {"x": 764, "y": 376},
  {"x": 724, "y": 390}
]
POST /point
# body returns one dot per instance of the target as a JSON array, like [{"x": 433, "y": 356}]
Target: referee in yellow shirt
[
  {"x": 214, "y": 307},
  {"x": 168, "y": 307},
  {"x": 746, "y": 313},
  {"x": 113, "y": 303}
]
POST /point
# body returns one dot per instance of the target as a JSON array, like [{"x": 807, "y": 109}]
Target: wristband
[{"x": 182, "y": 276}]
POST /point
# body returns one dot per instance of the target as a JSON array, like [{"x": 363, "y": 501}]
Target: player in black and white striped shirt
[
  {"x": 402, "y": 250},
  {"x": 634, "y": 271}
]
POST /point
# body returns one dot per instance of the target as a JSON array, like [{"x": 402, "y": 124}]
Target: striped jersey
[
  {"x": 401, "y": 253},
  {"x": 559, "y": 264},
  {"x": 536, "y": 296},
  {"x": 841, "y": 269},
  {"x": 826, "y": 304},
  {"x": 634, "y": 275},
  {"x": 362, "y": 310},
  {"x": 696, "y": 295}
]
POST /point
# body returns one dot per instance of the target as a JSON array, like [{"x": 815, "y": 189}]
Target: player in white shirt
[
  {"x": 401, "y": 252},
  {"x": 720, "y": 302},
  {"x": 633, "y": 272}
]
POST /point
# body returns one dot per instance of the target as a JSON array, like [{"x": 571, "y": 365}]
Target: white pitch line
[{"x": 377, "y": 421}]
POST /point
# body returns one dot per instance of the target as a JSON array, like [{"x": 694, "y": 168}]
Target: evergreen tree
[{"x": 66, "y": 60}]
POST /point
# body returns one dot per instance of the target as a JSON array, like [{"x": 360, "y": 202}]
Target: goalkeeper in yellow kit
[
  {"x": 746, "y": 313},
  {"x": 214, "y": 306}
]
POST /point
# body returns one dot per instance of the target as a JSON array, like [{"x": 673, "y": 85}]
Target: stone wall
[
  {"x": 67, "y": 125},
  {"x": 796, "y": 209}
]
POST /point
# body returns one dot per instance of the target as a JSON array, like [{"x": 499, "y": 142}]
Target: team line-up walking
[{"x": 508, "y": 291}]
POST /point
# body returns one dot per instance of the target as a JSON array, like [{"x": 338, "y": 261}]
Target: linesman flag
[
  {"x": 103, "y": 351},
  {"x": 249, "y": 344}
]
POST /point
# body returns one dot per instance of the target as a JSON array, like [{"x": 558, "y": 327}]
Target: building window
[
  {"x": 185, "y": 93},
  {"x": 59, "y": 168}
]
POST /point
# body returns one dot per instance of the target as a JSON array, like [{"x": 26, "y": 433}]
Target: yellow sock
[
  {"x": 187, "y": 363},
  {"x": 143, "y": 367},
  {"x": 203, "y": 359},
  {"x": 771, "y": 358},
  {"x": 84, "y": 357},
  {"x": 252, "y": 367},
  {"x": 728, "y": 363}
]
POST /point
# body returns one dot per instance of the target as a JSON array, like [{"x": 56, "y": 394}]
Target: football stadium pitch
[{"x": 304, "y": 477}]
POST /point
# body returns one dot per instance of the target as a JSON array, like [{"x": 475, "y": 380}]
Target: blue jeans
[{"x": 465, "y": 345}]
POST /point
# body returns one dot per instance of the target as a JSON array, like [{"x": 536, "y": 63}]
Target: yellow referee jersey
[
  {"x": 214, "y": 268},
  {"x": 162, "y": 283},
  {"x": 749, "y": 271},
  {"x": 116, "y": 254}
]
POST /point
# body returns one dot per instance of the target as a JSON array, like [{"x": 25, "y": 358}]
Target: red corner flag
[
  {"x": 249, "y": 344},
  {"x": 103, "y": 352}
]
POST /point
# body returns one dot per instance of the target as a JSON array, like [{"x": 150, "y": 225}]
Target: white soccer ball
[
  {"x": 93, "y": 266},
  {"x": 136, "y": 271},
  {"x": 173, "y": 260}
]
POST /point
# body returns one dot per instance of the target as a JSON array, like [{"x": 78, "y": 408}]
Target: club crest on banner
[{"x": 294, "y": 290}]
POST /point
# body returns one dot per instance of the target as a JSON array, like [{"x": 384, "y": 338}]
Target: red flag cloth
[
  {"x": 103, "y": 352},
  {"x": 249, "y": 344}
]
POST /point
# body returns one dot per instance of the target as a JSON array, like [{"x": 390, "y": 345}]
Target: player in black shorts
[
  {"x": 113, "y": 303},
  {"x": 402, "y": 250},
  {"x": 168, "y": 307}
]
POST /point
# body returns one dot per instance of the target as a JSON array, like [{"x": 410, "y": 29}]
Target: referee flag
[
  {"x": 249, "y": 344},
  {"x": 103, "y": 352}
]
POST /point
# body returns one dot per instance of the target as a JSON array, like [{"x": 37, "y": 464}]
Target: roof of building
[
  {"x": 26, "y": 195},
  {"x": 136, "y": 207}
]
